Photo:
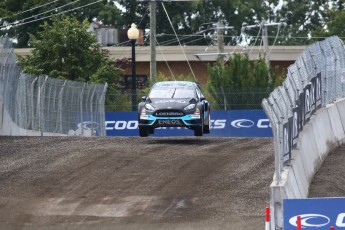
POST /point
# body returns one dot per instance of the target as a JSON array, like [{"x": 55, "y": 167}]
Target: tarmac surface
[{"x": 143, "y": 183}]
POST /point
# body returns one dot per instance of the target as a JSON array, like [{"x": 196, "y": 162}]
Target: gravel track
[
  {"x": 329, "y": 181},
  {"x": 134, "y": 183}
]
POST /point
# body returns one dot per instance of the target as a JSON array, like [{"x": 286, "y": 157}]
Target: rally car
[{"x": 174, "y": 104}]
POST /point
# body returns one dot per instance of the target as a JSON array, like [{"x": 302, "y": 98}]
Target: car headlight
[
  {"x": 149, "y": 107},
  {"x": 189, "y": 107}
]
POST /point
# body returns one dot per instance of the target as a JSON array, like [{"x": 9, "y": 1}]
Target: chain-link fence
[
  {"x": 237, "y": 99},
  {"x": 224, "y": 99},
  {"x": 49, "y": 104}
]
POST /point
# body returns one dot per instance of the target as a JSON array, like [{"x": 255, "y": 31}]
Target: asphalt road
[{"x": 134, "y": 183}]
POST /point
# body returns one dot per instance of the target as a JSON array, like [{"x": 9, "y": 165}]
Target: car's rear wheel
[{"x": 143, "y": 132}]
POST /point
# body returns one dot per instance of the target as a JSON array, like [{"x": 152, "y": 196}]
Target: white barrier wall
[
  {"x": 322, "y": 134},
  {"x": 1, "y": 112}
]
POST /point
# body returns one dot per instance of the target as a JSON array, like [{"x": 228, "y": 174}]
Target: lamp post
[{"x": 133, "y": 34}]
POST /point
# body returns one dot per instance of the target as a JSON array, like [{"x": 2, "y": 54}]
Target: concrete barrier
[
  {"x": 9, "y": 128},
  {"x": 1, "y": 112},
  {"x": 341, "y": 110},
  {"x": 336, "y": 122},
  {"x": 322, "y": 134}
]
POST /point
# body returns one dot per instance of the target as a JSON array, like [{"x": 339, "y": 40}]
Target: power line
[
  {"x": 178, "y": 41},
  {"x": 19, "y": 24},
  {"x": 34, "y": 16},
  {"x": 279, "y": 26},
  {"x": 183, "y": 37},
  {"x": 37, "y": 7},
  {"x": 166, "y": 61}
]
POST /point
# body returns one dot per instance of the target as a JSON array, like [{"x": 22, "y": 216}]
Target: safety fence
[
  {"x": 316, "y": 79},
  {"x": 48, "y": 104},
  {"x": 224, "y": 99}
]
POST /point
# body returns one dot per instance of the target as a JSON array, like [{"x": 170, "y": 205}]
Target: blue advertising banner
[
  {"x": 315, "y": 213},
  {"x": 232, "y": 123}
]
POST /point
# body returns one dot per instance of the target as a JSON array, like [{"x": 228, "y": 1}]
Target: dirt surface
[
  {"x": 134, "y": 183},
  {"x": 329, "y": 181}
]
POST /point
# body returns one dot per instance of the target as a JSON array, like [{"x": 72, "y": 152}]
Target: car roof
[{"x": 175, "y": 84}]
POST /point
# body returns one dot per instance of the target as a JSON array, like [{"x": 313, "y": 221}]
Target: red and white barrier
[
  {"x": 267, "y": 219},
  {"x": 299, "y": 223}
]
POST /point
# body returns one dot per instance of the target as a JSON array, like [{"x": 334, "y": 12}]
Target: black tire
[
  {"x": 151, "y": 130},
  {"x": 207, "y": 127},
  {"x": 143, "y": 132},
  {"x": 198, "y": 131}
]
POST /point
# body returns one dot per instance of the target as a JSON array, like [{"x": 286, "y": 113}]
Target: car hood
[{"x": 169, "y": 103}]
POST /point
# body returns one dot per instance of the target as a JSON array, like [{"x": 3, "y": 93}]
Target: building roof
[
  {"x": 197, "y": 53},
  {"x": 205, "y": 53}
]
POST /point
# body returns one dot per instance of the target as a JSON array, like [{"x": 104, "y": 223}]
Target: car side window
[{"x": 198, "y": 92}]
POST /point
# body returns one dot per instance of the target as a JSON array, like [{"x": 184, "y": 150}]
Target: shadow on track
[{"x": 199, "y": 141}]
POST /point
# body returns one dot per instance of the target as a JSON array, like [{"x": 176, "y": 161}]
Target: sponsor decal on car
[
  {"x": 164, "y": 114},
  {"x": 169, "y": 122},
  {"x": 170, "y": 101}
]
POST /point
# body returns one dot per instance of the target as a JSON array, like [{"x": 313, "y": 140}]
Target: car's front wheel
[
  {"x": 143, "y": 132},
  {"x": 199, "y": 130},
  {"x": 207, "y": 127},
  {"x": 151, "y": 130}
]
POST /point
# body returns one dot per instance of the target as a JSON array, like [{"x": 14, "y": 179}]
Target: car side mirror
[
  {"x": 143, "y": 98},
  {"x": 202, "y": 98}
]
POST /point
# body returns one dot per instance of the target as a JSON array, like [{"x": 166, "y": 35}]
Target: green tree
[
  {"x": 191, "y": 17},
  {"x": 302, "y": 18},
  {"x": 65, "y": 50},
  {"x": 334, "y": 25},
  {"x": 240, "y": 84}
]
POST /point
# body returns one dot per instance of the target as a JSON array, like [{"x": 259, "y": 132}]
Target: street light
[{"x": 133, "y": 34}]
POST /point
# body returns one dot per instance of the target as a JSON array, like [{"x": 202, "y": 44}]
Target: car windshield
[{"x": 168, "y": 92}]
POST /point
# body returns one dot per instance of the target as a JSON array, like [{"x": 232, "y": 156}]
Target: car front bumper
[{"x": 188, "y": 120}]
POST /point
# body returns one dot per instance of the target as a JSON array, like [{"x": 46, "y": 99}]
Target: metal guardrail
[{"x": 48, "y": 104}]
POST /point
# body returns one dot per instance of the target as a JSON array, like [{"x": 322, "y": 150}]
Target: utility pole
[
  {"x": 153, "y": 26},
  {"x": 220, "y": 42},
  {"x": 265, "y": 42},
  {"x": 264, "y": 26},
  {"x": 220, "y": 27}
]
